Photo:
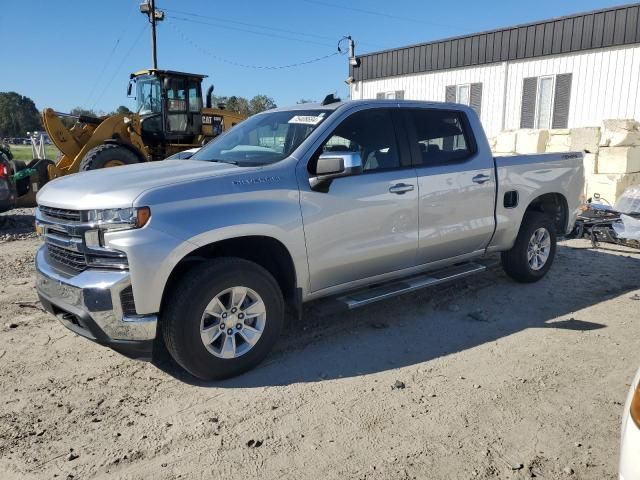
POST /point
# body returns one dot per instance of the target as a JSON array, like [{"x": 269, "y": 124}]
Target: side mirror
[{"x": 333, "y": 165}]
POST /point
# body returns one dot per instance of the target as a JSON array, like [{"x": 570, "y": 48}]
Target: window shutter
[
  {"x": 450, "y": 94},
  {"x": 380, "y": 96},
  {"x": 475, "y": 101},
  {"x": 561, "y": 101},
  {"x": 399, "y": 94},
  {"x": 528, "y": 112}
]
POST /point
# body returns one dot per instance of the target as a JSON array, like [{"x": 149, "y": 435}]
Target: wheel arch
[
  {"x": 555, "y": 205},
  {"x": 266, "y": 251}
]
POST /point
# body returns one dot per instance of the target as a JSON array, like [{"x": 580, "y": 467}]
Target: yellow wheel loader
[{"x": 169, "y": 118}]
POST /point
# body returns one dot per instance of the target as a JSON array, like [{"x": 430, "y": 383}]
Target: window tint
[
  {"x": 369, "y": 132},
  {"x": 441, "y": 136}
]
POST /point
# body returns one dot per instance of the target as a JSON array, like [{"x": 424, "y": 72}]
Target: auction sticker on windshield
[{"x": 307, "y": 119}]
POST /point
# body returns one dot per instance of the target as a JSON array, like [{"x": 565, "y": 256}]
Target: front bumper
[{"x": 89, "y": 304}]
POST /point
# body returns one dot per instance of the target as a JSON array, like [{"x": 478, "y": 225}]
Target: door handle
[
  {"x": 400, "y": 188},
  {"x": 481, "y": 178}
]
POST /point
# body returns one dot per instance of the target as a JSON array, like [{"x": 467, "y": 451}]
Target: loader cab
[{"x": 170, "y": 106}]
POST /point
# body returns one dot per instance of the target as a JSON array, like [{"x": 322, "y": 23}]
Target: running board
[{"x": 366, "y": 296}]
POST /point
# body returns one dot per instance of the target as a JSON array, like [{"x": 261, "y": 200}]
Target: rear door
[
  {"x": 456, "y": 184},
  {"x": 365, "y": 225}
]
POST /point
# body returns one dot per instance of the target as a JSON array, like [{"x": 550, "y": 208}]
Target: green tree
[
  {"x": 122, "y": 110},
  {"x": 260, "y": 103},
  {"x": 18, "y": 115}
]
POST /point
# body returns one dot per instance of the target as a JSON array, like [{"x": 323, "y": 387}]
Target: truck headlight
[{"x": 119, "y": 218}]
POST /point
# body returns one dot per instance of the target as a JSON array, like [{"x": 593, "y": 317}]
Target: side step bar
[{"x": 366, "y": 296}]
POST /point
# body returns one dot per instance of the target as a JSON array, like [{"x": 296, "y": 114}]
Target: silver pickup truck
[{"x": 352, "y": 202}]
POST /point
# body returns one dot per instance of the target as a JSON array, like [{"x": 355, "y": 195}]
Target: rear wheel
[
  {"x": 534, "y": 250},
  {"x": 106, "y": 156},
  {"x": 223, "y": 318}
]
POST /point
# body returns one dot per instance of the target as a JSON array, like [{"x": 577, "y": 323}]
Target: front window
[
  {"x": 263, "y": 139},
  {"x": 148, "y": 99}
]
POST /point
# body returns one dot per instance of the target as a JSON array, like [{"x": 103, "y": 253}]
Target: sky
[{"x": 70, "y": 53}]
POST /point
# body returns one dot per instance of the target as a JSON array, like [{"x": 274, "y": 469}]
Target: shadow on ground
[{"x": 418, "y": 327}]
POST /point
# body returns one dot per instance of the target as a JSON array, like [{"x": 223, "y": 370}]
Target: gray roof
[{"x": 585, "y": 31}]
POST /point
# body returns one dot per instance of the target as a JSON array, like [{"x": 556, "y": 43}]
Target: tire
[
  {"x": 184, "y": 317},
  {"x": 22, "y": 185},
  {"x": 516, "y": 262},
  {"x": 108, "y": 155}
]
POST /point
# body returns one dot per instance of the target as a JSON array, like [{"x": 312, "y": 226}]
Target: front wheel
[
  {"x": 223, "y": 318},
  {"x": 534, "y": 250}
]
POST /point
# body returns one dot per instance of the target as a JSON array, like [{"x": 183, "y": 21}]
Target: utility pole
[{"x": 149, "y": 9}]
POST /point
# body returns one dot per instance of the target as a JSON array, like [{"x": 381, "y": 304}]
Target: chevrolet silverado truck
[{"x": 352, "y": 202}]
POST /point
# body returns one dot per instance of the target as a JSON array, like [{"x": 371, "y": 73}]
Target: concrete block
[
  {"x": 586, "y": 138},
  {"x": 492, "y": 143},
  {"x": 531, "y": 141},
  {"x": 610, "y": 187},
  {"x": 559, "y": 140},
  {"x": 619, "y": 160},
  {"x": 590, "y": 162},
  {"x": 620, "y": 133},
  {"x": 506, "y": 142}
]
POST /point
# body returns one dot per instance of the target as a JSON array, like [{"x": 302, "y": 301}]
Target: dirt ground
[{"x": 531, "y": 384}]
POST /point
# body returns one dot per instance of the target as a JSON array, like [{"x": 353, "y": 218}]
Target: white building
[{"x": 561, "y": 73}]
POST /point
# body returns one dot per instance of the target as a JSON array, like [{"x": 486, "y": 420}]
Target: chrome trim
[{"x": 97, "y": 293}]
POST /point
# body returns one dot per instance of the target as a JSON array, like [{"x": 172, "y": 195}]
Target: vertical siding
[
  {"x": 604, "y": 83},
  {"x": 431, "y": 86}
]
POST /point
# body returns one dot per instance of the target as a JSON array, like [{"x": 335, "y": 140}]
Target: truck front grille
[
  {"x": 68, "y": 258},
  {"x": 61, "y": 214}
]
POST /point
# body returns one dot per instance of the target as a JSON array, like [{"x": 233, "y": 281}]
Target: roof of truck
[{"x": 336, "y": 105}]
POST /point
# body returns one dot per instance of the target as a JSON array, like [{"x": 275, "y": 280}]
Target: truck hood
[{"x": 118, "y": 187}]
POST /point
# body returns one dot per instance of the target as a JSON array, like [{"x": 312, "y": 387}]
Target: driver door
[{"x": 365, "y": 225}]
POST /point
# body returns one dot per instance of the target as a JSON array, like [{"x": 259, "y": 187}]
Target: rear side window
[{"x": 441, "y": 136}]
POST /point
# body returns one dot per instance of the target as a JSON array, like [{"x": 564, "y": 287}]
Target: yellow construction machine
[{"x": 169, "y": 118}]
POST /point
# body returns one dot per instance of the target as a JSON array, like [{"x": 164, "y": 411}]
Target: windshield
[
  {"x": 263, "y": 139},
  {"x": 148, "y": 95}
]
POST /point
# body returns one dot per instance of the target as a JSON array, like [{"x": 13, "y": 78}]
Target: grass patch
[{"x": 23, "y": 152}]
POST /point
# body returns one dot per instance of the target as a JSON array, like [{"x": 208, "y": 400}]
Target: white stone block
[
  {"x": 620, "y": 133},
  {"x": 619, "y": 160},
  {"x": 531, "y": 141},
  {"x": 610, "y": 187},
  {"x": 586, "y": 138},
  {"x": 506, "y": 142},
  {"x": 492, "y": 143},
  {"x": 559, "y": 141},
  {"x": 590, "y": 162}
]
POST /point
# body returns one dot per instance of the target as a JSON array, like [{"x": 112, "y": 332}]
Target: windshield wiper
[{"x": 217, "y": 160}]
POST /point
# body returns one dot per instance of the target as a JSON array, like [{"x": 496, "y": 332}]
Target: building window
[
  {"x": 545, "y": 101},
  {"x": 391, "y": 95},
  {"x": 466, "y": 94},
  {"x": 462, "y": 94}
]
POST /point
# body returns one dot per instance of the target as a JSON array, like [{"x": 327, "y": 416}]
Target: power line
[
  {"x": 255, "y": 25},
  {"x": 264, "y": 34},
  {"x": 199, "y": 47},
  {"x": 380, "y": 14},
  {"x": 135, "y": 43},
  {"x": 106, "y": 63}
]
